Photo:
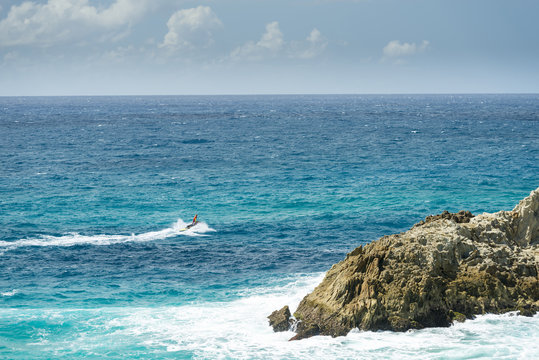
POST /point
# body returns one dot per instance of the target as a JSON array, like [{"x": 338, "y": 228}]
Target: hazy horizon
[{"x": 277, "y": 94}]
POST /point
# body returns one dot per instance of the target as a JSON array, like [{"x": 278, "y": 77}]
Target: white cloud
[
  {"x": 60, "y": 20},
  {"x": 191, "y": 28},
  {"x": 272, "y": 44},
  {"x": 272, "y": 38},
  {"x": 314, "y": 45},
  {"x": 269, "y": 44},
  {"x": 395, "y": 48}
]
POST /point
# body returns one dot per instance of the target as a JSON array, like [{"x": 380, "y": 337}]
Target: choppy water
[{"x": 94, "y": 190}]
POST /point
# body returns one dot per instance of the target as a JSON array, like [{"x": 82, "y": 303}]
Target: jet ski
[{"x": 193, "y": 223}]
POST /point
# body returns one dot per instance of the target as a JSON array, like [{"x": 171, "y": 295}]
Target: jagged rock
[
  {"x": 280, "y": 319},
  {"x": 448, "y": 268},
  {"x": 305, "y": 330},
  {"x": 460, "y": 217},
  {"x": 456, "y": 316}
]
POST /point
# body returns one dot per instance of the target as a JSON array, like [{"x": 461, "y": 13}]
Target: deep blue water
[{"x": 94, "y": 189}]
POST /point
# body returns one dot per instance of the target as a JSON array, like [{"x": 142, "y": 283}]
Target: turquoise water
[{"x": 93, "y": 191}]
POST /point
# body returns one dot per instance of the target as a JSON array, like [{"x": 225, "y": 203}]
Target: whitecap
[{"x": 10, "y": 293}]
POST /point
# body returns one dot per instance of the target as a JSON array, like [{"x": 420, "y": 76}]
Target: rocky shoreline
[{"x": 446, "y": 268}]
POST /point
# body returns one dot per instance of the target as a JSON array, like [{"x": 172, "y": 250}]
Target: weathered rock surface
[
  {"x": 460, "y": 217},
  {"x": 279, "y": 320},
  {"x": 449, "y": 267}
]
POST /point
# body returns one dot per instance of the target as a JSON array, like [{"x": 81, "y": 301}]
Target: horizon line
[{"x": 279, "y": 94}]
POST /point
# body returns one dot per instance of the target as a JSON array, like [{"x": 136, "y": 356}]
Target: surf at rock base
[{"x": 449, "y": 267}]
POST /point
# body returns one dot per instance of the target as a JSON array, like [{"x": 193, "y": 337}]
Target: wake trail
[{"x": 72, "y": 239}]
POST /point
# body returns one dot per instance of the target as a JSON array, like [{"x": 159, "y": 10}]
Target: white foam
[
  {"x": 239, "y": 329},
  {"x": 9, "y": 293},
  {"x": 236, "y": 329},
  {"x": 72, "y": 239}
]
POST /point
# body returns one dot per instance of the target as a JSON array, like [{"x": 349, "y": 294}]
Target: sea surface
[{"x": 94, "y": 191}]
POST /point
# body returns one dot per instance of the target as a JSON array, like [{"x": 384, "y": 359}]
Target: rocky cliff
[{"x": 448, "y": 267}]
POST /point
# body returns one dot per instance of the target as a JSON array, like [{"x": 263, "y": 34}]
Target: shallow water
[{"x": 94, "y": 190}]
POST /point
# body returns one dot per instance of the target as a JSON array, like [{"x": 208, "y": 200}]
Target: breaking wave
[
  {"x": 9, "y": 293},
  {"x": 239, "y": 329}
]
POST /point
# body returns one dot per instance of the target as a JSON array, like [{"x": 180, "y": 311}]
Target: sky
[{"x": 162, "y": 47}]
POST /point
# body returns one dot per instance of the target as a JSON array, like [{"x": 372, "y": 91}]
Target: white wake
[{"x": 72, "y": 239}]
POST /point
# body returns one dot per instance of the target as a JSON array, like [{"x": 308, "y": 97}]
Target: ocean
[{"x": 94, "y": 191}]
